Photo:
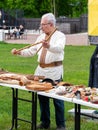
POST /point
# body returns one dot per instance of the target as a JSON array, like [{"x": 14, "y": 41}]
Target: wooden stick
[
  {"x": 37, "y": 42},
  {"x": 29, "y": 46},
  {"x": 47, "y": 39},
  {"x": 39, "y": 49}
]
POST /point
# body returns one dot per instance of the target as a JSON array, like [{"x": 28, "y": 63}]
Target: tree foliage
[{"x": 35, "y": 8}]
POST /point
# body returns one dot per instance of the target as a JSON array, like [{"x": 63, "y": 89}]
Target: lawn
[{"x": 76, "y": 71}]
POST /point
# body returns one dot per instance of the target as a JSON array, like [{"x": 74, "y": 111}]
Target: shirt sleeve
[{"x": 33, "y": 49}]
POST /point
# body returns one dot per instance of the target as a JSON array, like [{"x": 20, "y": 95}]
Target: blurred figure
[
  {"x": 4, "y": 27},
  {"x": 93, "y": 72},
  {"x": 15, "y": 32},
  {"x": 21, "y": 30},
  {"x": 18, "y": 32}
]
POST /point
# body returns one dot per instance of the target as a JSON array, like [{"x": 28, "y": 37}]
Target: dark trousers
[{"x": 45, "y": 111}]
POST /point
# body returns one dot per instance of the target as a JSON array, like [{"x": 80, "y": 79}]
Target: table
[
  {"x": 15, "y": 98},
  {"x": 15, "y": 88},
  {"x": 77, "y": 102}
]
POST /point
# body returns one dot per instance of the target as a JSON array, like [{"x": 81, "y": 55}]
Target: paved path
[
  {"x": 29, "y": 39},
  {"x": 77, "y": 39},
  {"x": 71, "y": 39}
]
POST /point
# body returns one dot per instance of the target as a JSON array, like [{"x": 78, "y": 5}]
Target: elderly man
[{"x": 50, "y": 57}]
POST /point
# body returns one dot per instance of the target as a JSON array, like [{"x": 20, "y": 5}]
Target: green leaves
[{"x": 36, "y": 8}]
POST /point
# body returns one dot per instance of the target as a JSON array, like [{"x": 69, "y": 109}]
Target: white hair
[{"x": 50, "y": 17}]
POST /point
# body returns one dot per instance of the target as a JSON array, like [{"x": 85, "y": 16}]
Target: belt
[{"x": 52, "y": 64}]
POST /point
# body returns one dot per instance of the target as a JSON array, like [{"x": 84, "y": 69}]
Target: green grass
[{"x": 76, "y": 71}]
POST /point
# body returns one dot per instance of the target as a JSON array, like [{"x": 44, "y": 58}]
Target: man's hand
[
  {"x": 45, "y": 44},
  {"x": 15, "y": 51}
]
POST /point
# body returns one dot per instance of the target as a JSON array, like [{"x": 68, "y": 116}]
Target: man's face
[{"x": 45, "y": 25}]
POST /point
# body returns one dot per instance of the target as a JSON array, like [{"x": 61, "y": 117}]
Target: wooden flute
[{"x": 37, "y": 42}]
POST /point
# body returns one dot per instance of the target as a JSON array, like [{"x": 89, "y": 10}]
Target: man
[
  {"x": 50, "y": 56},
  {"x": 93, "y": 72}
]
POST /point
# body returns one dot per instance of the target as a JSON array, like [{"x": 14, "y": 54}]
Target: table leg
[
  {"x": 14, "y": 108},
  {"x": 34, "y": 110},
  {"x": 15, "y": 118},
  {"x": 77, "y": 116}
]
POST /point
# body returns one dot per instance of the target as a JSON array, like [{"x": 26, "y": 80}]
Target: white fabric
[{"x": 54, "y": 53}]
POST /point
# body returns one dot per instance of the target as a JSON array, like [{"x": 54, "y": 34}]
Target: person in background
[
  {"x": 93, "y": 72},
  {"x": 4, "y": 27},
  {"x": 50, "y": 57},
  {"x": 21, "y": 30},
  {"x": 15, "y": 32}
]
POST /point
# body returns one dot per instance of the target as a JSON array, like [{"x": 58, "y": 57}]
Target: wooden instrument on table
[{"x": 37, "y": 42}]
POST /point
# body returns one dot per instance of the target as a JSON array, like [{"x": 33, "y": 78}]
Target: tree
[{"x": 35, "y": 8}]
